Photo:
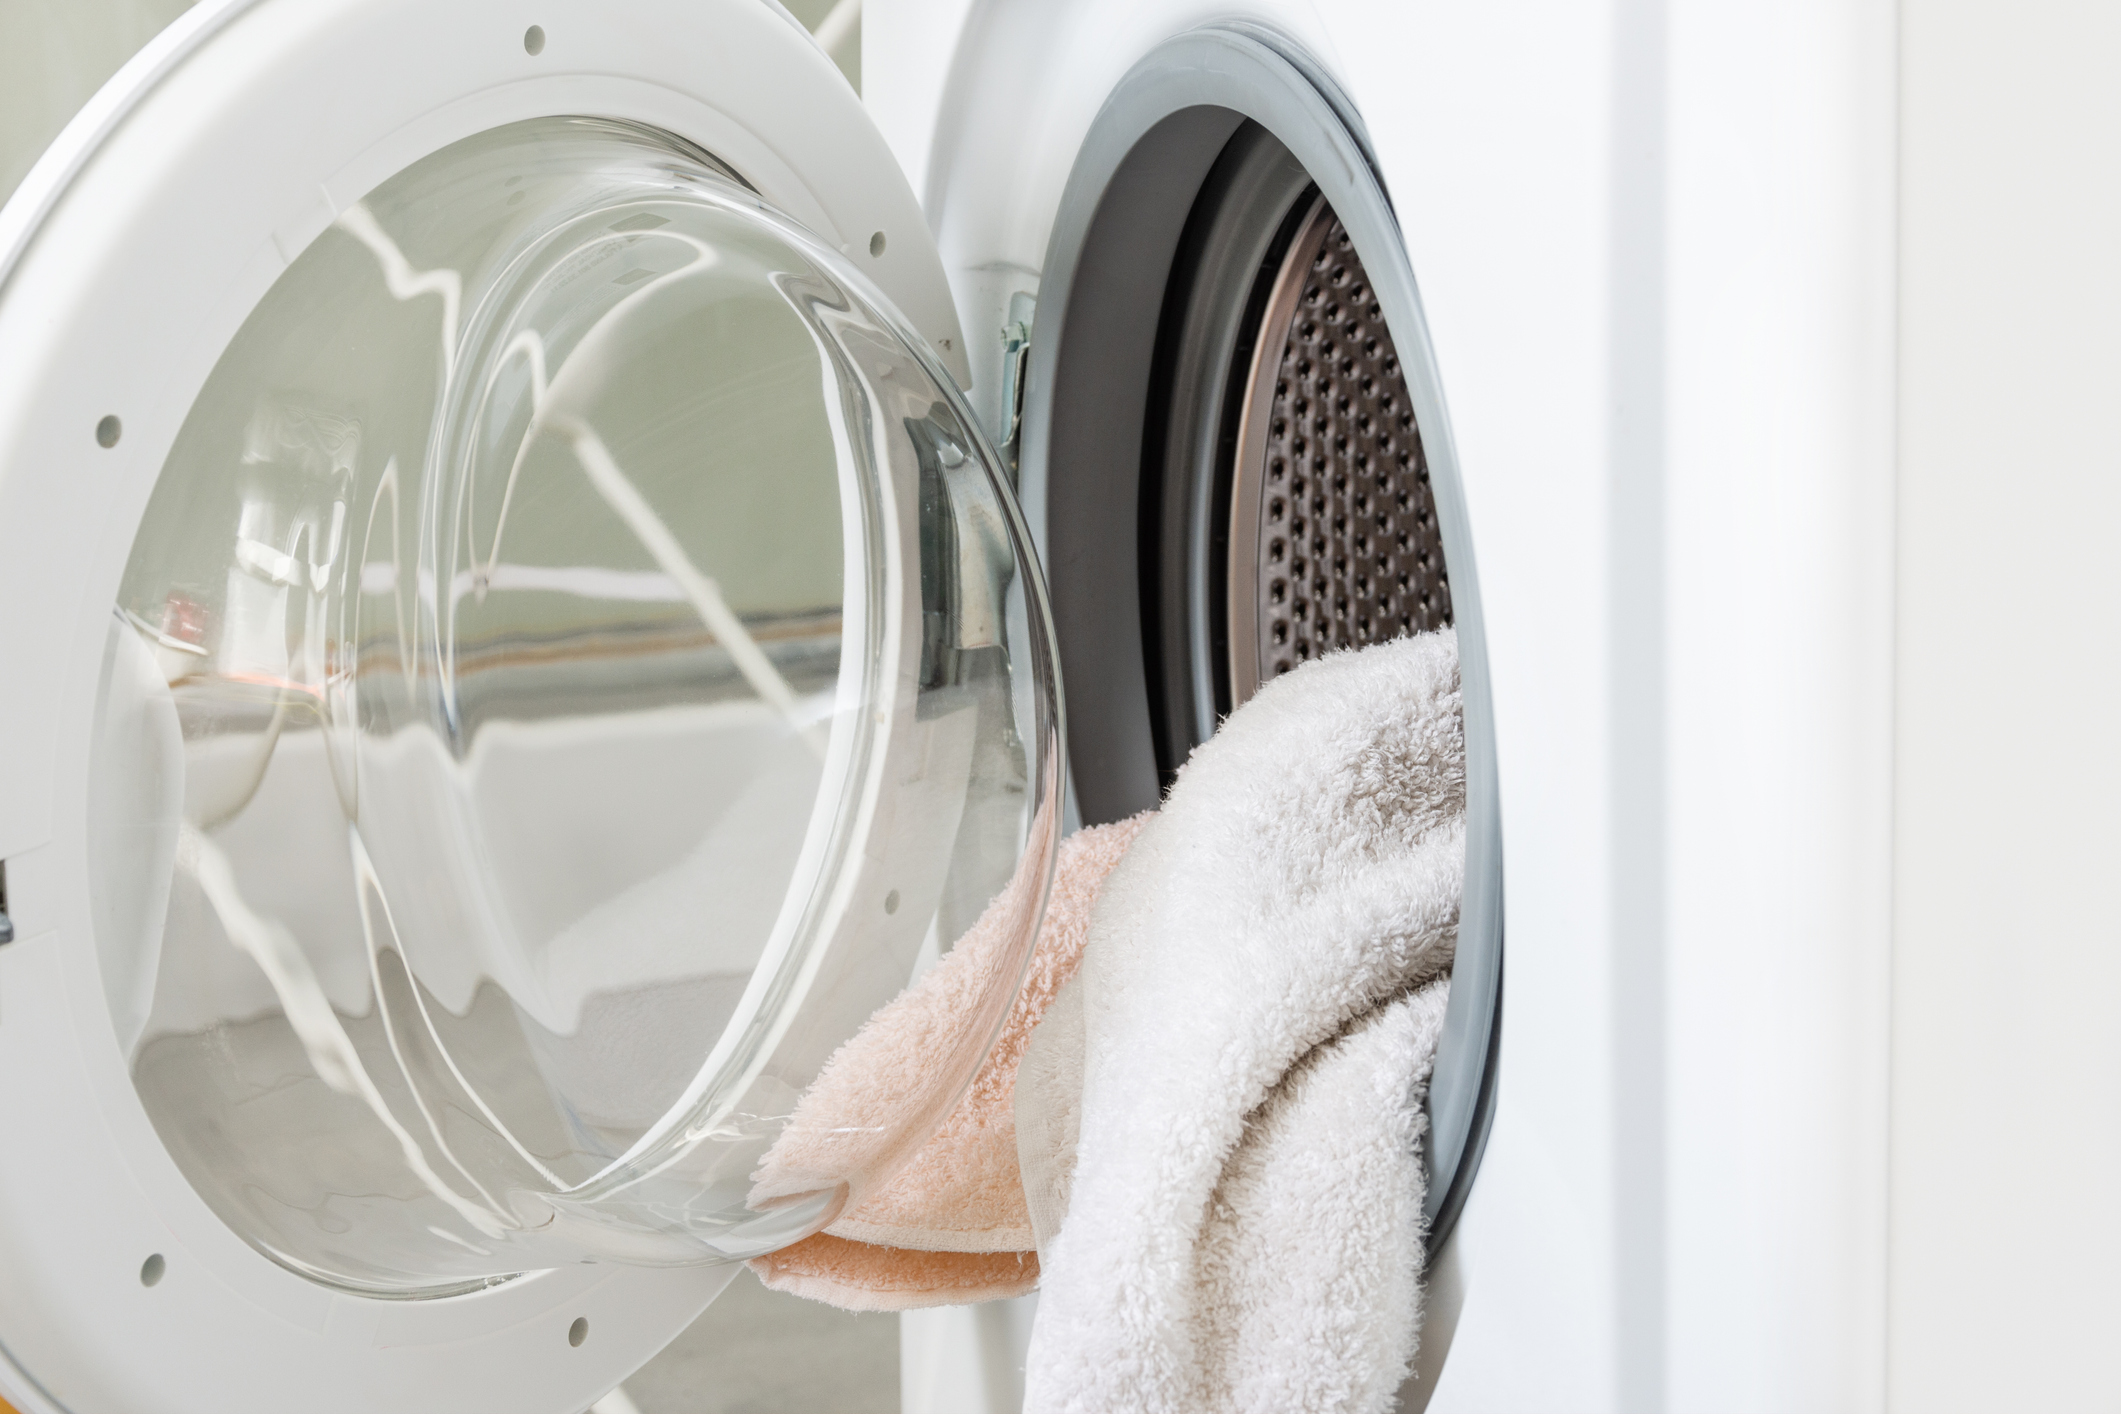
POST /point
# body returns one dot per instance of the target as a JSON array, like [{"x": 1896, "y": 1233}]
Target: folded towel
[
  {"x": 1239, "y": 1224},
  {"x": 951, "y": 1226}
]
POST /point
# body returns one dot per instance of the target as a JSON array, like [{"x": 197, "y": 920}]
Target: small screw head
[
  {"x": 152, "y": 1269},
  {"x": 534, "y": 40},
  {"x": 109, "y": 430},
  {"x": 876, "y": 244}
]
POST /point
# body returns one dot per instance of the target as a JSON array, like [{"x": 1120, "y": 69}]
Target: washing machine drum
[{"x": 526, "y": 650}]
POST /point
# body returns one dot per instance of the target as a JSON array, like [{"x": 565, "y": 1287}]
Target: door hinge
[{"x": 1016, "y": 373}]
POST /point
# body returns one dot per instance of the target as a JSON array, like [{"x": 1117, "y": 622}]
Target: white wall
[{"x": 2006, "y": 1230}]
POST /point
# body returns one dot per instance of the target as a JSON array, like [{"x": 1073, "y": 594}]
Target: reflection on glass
[{"x": 576, "y": 664}]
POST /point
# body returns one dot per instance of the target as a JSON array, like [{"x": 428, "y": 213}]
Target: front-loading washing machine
[
  {"x": 1654, "y": 245},
  {"x": 533, "y": 646},
  {"x": 555, "y": 558}
]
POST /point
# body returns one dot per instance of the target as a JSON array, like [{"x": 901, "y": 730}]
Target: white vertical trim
[{"x": 1780, "y": 631}]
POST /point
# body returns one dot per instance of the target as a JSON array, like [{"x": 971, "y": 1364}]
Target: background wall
[
  {"x": 838, "y": 26},
  {"x": 2005, "y": 1231},
  {"x": 53, "y": 55}
]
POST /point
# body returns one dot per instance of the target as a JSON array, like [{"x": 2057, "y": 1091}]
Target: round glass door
[{"x": 579, "y": 660}]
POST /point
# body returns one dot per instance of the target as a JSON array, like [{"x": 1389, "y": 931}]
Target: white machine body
[{"x": 1655, "y": 249}]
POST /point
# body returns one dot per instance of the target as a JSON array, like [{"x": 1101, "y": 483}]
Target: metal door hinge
[{"x": 1016, "y": 373}]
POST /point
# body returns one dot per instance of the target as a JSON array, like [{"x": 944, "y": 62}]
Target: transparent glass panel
[{"x": 579, "y": 660}]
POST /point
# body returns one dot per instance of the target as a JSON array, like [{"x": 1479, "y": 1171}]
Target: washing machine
[
  {"x": 1652, "y": 249},
  {"x": 556, "y": 558}
]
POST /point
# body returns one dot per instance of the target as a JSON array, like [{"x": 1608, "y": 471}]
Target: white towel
[{"x": 1260, "y": 995}]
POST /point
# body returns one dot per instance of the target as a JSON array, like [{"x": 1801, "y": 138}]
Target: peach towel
[{"x": 950, "y": 1227}]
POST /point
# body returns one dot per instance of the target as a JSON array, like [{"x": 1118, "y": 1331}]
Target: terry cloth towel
[
  {"x": 950, "y": 1227},
  {"x": 1239, "y": 1224}
]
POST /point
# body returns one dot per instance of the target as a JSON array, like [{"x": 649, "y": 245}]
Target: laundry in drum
[{"x": 576, "y": 665}]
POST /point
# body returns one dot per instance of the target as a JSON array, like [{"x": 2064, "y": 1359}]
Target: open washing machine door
[{"x": 516, "y": 648}]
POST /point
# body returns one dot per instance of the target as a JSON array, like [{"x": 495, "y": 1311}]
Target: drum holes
[
  {"x": 534, "y": 40},
  {"x": 152, "y": 1269},
  {"x": 891, "y": 902},
  {"x": 109, "y": 430},
  {"x": 876, "y": 245},
  {"x": 578, "y": 1332}
]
